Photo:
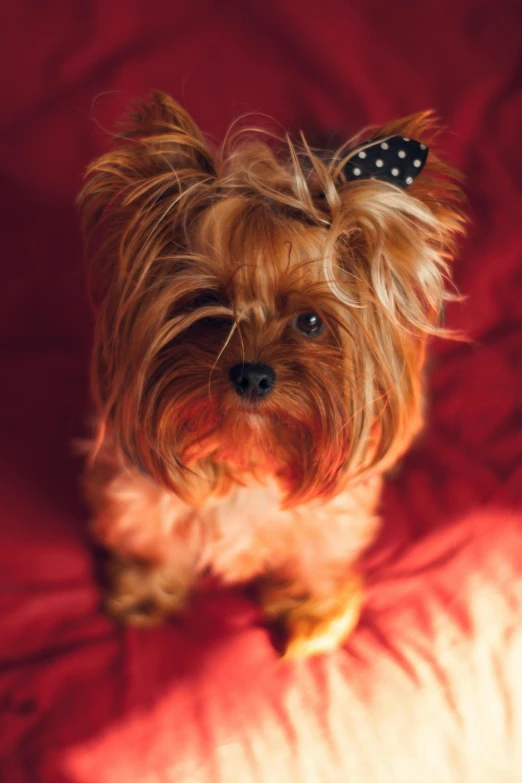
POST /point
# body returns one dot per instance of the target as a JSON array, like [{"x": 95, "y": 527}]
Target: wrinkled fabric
[{"x": 429, "y": 686}]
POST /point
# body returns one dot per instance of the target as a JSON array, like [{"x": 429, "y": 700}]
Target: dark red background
[{"x": 429, "y": 686}]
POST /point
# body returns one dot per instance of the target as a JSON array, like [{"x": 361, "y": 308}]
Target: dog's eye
[
  {"x": 210, "y": 299},
  {"x": 309, "y": 324},
  {"x": 206, "y": 299}
]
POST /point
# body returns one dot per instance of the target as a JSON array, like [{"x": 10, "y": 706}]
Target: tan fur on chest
[{"x": 238, "y": 537}]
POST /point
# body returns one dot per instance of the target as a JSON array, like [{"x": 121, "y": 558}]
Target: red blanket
[{"x": 429, "y": 687}]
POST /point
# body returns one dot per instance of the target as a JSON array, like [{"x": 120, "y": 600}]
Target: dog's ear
[
  {"x": 159, "y": 149},
  {"x": 399, "y": 237},
  {"x": 433, "y": 182},
  {"x": 395, "y": 243},
  {"x": 160, "y": 162},
  {"x": 165, "y": 130}
]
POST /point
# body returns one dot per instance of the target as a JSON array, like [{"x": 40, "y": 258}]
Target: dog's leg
[
  {"x": 317, "y": 594},
  {"x": 314, "y": 622},
  {"x": 143, "y": 593},
  {"x": 150, "y": 535}
]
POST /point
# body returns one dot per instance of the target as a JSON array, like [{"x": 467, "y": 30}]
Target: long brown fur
[{"x": 201, "y": 259}]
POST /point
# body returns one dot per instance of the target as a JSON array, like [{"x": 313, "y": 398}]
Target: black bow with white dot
[{"x": 397, "y": 160}]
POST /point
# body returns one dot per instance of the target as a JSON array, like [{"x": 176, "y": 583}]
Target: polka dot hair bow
[{"x": 396, "y": 159}]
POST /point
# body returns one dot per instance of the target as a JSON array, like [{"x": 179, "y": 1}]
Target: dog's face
[
  {"x": 260, "y": 315},
  {"x": 252, "y": 368}
]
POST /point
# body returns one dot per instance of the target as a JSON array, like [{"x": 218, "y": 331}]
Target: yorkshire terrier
[{"x": 262, "y": 315}]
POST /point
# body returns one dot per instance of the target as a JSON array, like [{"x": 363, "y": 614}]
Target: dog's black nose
[{"x": 252, "y": 380}]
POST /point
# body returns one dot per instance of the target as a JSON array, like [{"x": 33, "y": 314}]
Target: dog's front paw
[
  {"x": 142, "y": 594},
  {"x": 314, "y": 625}
]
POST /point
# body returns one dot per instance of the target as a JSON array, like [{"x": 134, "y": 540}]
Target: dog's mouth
[
  {"x": 251, "y": 411},
  {"x": 243, "y": 433},
  {"x": 247, "y": 408}
]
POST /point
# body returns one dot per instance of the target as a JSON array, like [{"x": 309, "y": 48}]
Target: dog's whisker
[{"x": 220, "y": 354}]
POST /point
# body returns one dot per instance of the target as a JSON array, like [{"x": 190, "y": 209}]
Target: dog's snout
[{"x": 252, "y": 380}]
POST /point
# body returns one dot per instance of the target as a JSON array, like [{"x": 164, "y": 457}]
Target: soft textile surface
[{"x": 429, "y": 687}]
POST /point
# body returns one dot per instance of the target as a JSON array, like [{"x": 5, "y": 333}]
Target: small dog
[{"x": 262, "y": 314}]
